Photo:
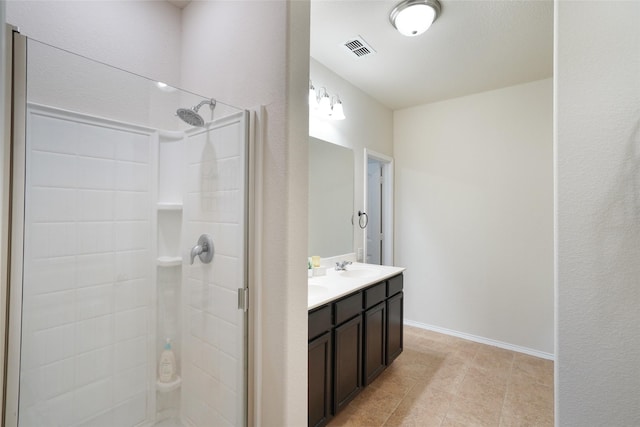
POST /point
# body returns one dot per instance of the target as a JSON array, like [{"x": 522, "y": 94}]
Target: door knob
[{"x": 203, "y": 250}]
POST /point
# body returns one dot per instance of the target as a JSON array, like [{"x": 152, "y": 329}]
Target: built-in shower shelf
[
  {"x": 167, "y": 387},
  {"x": 169, "y": 206},
  {"x": 169, "y": 261}
]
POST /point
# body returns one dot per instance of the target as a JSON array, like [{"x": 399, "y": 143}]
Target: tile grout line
[{"x": 506, "y": 391}]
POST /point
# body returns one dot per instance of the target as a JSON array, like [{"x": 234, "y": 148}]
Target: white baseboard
[{"x": 482, "y": 340}]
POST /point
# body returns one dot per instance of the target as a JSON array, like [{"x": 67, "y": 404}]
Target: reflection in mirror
[{"x": 331, "y": 175}]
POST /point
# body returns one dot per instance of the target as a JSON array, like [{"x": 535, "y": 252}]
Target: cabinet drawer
[
  {"x": 374, "y": 295},
  {"x": 394, "y": 285},
  {"x": 348, "y": 307},
  {"x": 319, "y": 321}
]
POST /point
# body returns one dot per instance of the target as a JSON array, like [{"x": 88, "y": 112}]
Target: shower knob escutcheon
[{"x": 203, "y": 250}]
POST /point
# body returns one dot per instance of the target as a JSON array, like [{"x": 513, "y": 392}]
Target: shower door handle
[{"x": 203, "y": 250}]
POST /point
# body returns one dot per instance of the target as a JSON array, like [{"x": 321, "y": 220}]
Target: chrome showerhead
[{"x": 190, "y": 115}]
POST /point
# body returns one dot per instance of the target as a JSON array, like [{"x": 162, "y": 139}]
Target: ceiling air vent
[{"x": 358, "y": 47}]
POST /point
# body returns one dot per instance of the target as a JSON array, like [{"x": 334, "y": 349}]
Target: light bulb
[
  {"x": 324, "y": 105},
  {"x": 313, "y": 98},
  {"x": 415, "y": 20},
  {"x": 337, "y": 112}
]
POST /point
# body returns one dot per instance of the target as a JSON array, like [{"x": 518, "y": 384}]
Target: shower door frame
[
  {"x": 13, "y": 222},
  {"x": 17, "y": 169}
]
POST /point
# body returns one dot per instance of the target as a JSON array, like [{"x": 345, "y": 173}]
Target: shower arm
[{"x": 210, "y": 102}]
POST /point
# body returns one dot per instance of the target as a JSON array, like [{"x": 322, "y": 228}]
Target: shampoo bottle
[{"x": 167, "y": 365}]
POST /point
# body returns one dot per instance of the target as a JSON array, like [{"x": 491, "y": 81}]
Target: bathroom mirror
[{"x": 331, "y": 177}]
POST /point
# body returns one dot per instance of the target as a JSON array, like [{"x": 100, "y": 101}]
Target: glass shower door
[{"x": 117, "y": 190}]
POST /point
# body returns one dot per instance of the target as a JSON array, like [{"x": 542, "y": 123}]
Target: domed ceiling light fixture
[{"x": 414, "y": 17}]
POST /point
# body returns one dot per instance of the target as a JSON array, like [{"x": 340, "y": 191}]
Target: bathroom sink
[{"x": 358, "y": 273}]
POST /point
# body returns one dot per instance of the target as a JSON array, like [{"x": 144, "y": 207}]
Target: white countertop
[{"x": 336, "y": 284}]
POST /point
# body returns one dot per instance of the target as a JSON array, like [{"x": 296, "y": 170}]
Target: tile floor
[{"x": 443, "y": 381}]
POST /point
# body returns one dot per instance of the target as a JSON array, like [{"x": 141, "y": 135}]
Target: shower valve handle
[{"x": 203, "y": 250}]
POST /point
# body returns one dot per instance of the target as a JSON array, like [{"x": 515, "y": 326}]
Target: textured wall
[
  {"x": 598, "y": 213},
  {"x": 474, "y": 214}
]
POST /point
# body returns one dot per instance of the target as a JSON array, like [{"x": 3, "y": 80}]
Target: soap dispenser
[{"x": 167, "y": 365}]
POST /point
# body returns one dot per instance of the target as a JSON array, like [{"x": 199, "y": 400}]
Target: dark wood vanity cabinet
[
  {"x": 319, "y": 370},
  {"x": 394, "y": 316},
  {"x": 351, "y": 341}
]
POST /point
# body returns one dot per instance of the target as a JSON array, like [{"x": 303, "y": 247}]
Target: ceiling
[{"x": 473, "y": 46}]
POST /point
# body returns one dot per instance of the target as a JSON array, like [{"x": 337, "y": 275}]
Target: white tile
[
  {"x": 48, "y": 310},
  {"x": 227, "y": 141},
  {"x": 229, "y": 374},
  {"x": 52, "y": 134},
  {"x": 51, "y": 204},
  {"x": 227, "y": 404},
  {"x": 57, "y": 378},
  {"x": 50, "y": 240},
  {"x": 132, "y": 176},
  {"x": 49, "y": 275},
  {"x": 132, "y": 294},
  {"x": 227, "y": 337},
  {"x": 132, "y": 235},
  {"x": 194, "y": 351},
  {"x": 94, "y": 366},
  {"x": 134, "y": 148},
  {"x": 211, "y": 329},
  {"x": 95, "y": 237},
  {"x": 129, "y": 383},
  {"x": 229, "y": 174},
  {"x": 131, "y": 324},
  {"x": 196, "y": 323},
  {"x": 210, "y": 360},
  {"x": 198, "y": 294},
  {"x": 130, "y": 353},
  {"x": 96, "y": 174},
  {"x": 52, "y": 170},
  {"x": 132, "y": 412},
  {"x": 197, "y": 148},
  {"x": 91, "y": 400},
  {"x": 133, "y": 206},
  {"x": 224, "y": 303},
  {"x": 54, "y": 344},
  {"x": 96, "y": 205},
  {"x": 228, "y": 240},
  {"x": 133, "y": 265},
  {"x": 95, "y": 269},
  {"x": 96, "y": 141},
  {"x": 229, "y": 204},
  {"x": 92, "y": 334},
  {"x": 57, "y": 411},
  {"x": 227, "y": 273},
  {"x": 104, "y": 419},
  {"x": 94, "y": 301}
]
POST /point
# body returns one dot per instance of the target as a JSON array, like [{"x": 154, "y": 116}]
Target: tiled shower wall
[
  {"x": 214, "y": 203},
  {"x": 88, "y": 272}
]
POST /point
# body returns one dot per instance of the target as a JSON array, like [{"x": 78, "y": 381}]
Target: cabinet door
[
  {"x": 394, "y": 327},
  {"x": 319, "y": 376},
  {"x": 374, "y": 342},
  {"x": 347, "y": 343}
]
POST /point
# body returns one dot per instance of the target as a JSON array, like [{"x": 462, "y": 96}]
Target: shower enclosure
[{"x": 111, "y": 193}]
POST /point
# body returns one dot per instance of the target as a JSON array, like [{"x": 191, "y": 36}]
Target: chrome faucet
[{"x": 342, "y": 266}]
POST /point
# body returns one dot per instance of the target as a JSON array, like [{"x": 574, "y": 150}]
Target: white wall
[
  {"x": 597, "y": 135},
  {"x": 251, "y": 53},
  {"x": 139, "y": 36},
  {"x": 369, "y": 124},
  {"x": 474, "y": 212}
]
